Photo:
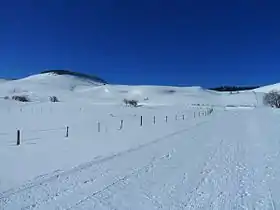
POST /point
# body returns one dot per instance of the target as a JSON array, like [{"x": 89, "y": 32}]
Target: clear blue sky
[{"x": 162, "y": 42}]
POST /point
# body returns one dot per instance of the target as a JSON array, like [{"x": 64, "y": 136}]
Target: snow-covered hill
[
  {"x": 268, "y": 88},
  {"x": 39, "y": 87},
  {"x": 69, "y": 88},
  {"x": 184, "y": 148}
]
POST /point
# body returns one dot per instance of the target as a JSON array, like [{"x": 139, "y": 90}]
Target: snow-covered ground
[
  {"x": 181, "y": 157},
  {"x": 268, "y": 88}
]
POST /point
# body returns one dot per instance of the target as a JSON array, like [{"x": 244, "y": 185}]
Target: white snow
[
  {"x": 268, "y": 88},
  {"x": 196, "y": 160}
]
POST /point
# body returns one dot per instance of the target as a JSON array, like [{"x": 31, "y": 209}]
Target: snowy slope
[
  {"x": 71, "y": 88},
  {"x": 89, "y": 151},
  {"x": 40, "y": 86},
  {"x": 207, "y": 165},
  {"x": 268, "y": 88}
]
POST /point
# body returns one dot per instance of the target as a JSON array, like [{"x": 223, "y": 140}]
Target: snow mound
[
  {"x": 268, "y": 88},
  {"x": 168, "y": 95},
  {"x": 155, "y": 95},
  {"x": 66, "y": 82},
  {"x": 40, "y": 87}
]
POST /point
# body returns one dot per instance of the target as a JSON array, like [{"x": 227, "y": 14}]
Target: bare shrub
[
  {"x": 133, "y": 103},
  {"x": 21, "y": 98},
  {"x": 53, "y": 99},
  {"x": 272, "y": 99}
]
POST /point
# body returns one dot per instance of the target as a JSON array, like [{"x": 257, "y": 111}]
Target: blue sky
[{"x": 161, "y": 42}]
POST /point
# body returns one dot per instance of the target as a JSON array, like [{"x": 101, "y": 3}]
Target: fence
[{"x": 19, "y": 135}]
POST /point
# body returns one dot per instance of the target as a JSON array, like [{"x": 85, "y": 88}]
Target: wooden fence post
[
  {"x": 183, "y": 117},
  {"x": 18, "y": 137},
  {"x": 67, "y": 132},
  {"x": 141, "y": 121},
  {"x": 166, "y": 118},
  {"x": 121, "y": 125},
  {"x": 154, "y": 119},
  {"x": 98, "y": 127}
]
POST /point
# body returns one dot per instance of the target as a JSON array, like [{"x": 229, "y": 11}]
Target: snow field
[
  {"x": 226, "y": 160},
  {"x": 44, "y": 147},
  {"x": 229, "y": 160}
]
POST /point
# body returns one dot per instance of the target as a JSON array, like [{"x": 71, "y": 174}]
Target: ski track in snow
[{"x": 197, "y": 168}]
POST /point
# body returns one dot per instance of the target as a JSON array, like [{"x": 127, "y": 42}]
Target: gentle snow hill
[
  {"x": 39, "y": 87},
  {"x": 69, "y": 88},
  {"x": 268, "y": 88}
]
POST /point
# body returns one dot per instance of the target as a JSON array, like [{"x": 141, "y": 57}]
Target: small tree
[{"x": 272, "y": 99}]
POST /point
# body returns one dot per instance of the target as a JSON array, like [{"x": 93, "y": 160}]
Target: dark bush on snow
[
  {"x": 53, "y": 99},
  {"x": 6, "y": 97},
  {"x": 233, "y": 88},
  {"x": 21, "y": 98},
  {"x": 133, "y": 103},
  {"x": 272, "y": 99}
]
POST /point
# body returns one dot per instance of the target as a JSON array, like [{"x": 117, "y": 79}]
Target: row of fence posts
[
  {"x": 205, "y": 113},
  {"x": 208, "y": 112}
]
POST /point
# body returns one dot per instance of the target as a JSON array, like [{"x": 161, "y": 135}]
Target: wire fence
[{"x": 116, "y": 124}]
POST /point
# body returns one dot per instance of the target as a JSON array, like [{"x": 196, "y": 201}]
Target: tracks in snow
[
  {"x": 200, "y": 169},
  {"x": 43, "y": 191}
]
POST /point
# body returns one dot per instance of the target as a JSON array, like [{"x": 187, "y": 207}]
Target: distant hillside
[
  {"x": 234, "y": 88},
  {"x": 77, "y": 74}
]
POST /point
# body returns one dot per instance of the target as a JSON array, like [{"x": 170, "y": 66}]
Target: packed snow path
[{"x": 230, "y": 161}]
